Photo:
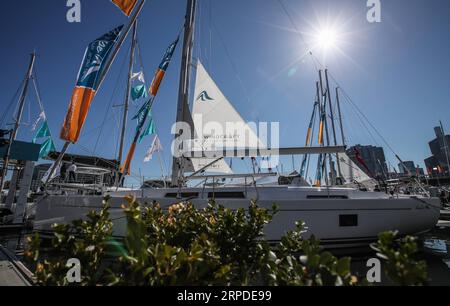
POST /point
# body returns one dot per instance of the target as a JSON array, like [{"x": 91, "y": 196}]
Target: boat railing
[{"x": 217, "y": 177}]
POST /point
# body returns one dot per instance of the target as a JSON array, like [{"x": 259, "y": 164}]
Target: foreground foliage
[
  {"x": 401, "y": 265},
  {"x": 210, "y": 246}
]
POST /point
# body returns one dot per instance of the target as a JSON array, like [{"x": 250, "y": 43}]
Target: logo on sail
[{"x": 204, "y": 96}]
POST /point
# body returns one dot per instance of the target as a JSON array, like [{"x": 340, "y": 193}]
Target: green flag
[
  {"x": 138, "y": 92},
  {"x": 151, "y": 129},
  {"x": 43, "y": 131},
  {"x": 47, "y": 147}
]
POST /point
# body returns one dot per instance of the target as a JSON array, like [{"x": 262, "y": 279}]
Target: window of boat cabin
[
  {"x": 183, "y": 195},
  {"x": 348, "y": 220},
  {"x": 318, "y": 197},
  {"x": 226, "y": 195}
]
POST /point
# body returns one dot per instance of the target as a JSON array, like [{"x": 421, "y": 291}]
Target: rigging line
[
  {"x": 368, "y": 121},
  {"x": 311, "y": 142},
  {"x": 93, "y": 130},
  {"x": 198, "y": 30},
  {"x": 355, "y": 106},
  {"x": 317, "y": 62},
  {"x": 241, "y": 83},
  {"x": 87, "y": 150},
  {"x": 37, "y": 89},
  {"x": 38, "y": 96},
  {"x": 347, "y": 125},
  {"x": 83, "y": 148},
  {"x": 111, "y": 101},
  {"x": 3, "y": 118},
  {"x": 138, "y": 47},
  {"x": 29, "y": 114},
  {"x": 365, "y": 126},
  {"x": 302, "y": 37},
  {"x": 13, "y": 101},
  {"x": 116, "y": 132},
  {"x": 210, "y": 35}
]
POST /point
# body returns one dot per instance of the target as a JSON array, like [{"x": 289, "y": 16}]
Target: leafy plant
[
  {"x": 211, "y": 246},
  {"x": 400, "y": 256},
  {"x": 85, "y": 240}
]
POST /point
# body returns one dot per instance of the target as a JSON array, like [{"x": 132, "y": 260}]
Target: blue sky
[{"x": 396, "y": 71}]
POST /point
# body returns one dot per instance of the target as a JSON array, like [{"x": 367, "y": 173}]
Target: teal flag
[
  {"x": 150, "y": 130},
  {"x": 46, "y": 148},
  {"x": 139, "y": 92},
  {"x": 140, "y": 116},
  {"x": 43, "y": 131}
]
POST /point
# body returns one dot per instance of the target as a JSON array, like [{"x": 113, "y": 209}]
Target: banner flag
[{"x": 87, "y": 84}]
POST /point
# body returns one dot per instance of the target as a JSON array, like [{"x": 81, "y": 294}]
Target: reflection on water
[{"x": 436, "y": 245}]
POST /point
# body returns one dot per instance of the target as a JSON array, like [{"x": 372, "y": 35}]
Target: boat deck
[{"x": 12, "y": 271}]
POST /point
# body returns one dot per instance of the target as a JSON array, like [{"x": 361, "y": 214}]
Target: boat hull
[{"x": 344, "y": 218}]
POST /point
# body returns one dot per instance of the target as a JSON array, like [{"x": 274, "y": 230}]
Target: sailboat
[{"x": 339, "y": 216}]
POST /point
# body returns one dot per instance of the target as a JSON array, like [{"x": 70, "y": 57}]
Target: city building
[
  {"x": 407, "y": 167},
  {"x": 411, "y": 169},
  {"x": 437, "y": 164},
  {"x": 373, "y": 158}
]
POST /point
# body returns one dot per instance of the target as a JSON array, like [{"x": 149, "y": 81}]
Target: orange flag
[
  {"x": 126, "y": 6},
  {"x": 88, "y": 81},
  {"x": 126, "y": 168}
]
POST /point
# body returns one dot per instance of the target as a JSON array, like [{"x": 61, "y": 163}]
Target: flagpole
[
  {"x": 120, "y": 43},
  {"x": 127, "y": 99},
  {"x": 102, "y": 77},
  {"x": 18, "y": 119}
]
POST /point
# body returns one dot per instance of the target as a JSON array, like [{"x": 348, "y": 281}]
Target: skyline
[{"x": 378, "y": 67}]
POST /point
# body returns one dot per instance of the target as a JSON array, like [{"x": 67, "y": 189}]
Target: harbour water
[{"x": 434, "y": 248}]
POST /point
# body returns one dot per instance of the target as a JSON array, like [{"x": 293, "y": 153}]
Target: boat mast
[
  {"x": 128, "y": 94},
  {"x": 332, "y": 122},
  {"x": 324, "y": 109},
  {"x": 340, "y": 116},
  {"x": 18, "y": 119},
  {"x": 183, "y": 94}
]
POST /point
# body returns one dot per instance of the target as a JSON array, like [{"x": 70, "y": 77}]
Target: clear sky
[{"x": 396, "y": 71}]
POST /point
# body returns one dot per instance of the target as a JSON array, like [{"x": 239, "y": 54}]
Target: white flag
[
  {"x": 41, "y": 118},
  {"x": 138, "y": 76},
  {"x": 156, "y": 147},
  {"x": 55, "y": 174}
]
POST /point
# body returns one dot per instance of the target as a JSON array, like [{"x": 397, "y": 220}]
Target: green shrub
[
  {"x": 189, "y": 246},
  {"x": 400, "y": 259}
]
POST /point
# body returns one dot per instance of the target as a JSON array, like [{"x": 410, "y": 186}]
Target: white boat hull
[{"x": 339, "y": 217}]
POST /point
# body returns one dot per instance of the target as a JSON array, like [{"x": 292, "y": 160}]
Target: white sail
[
  {"x": 217, "y": 124},
  {"x": 351, "y": 171}
]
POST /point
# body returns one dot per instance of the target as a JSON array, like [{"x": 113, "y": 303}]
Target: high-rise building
[
  {"x": 407, "y": 167},
  {"x": 437, "y": 164},
  {"x": 373, "y": 158}
]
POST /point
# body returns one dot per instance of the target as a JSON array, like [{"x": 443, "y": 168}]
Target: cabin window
[
  {"x": 342, "y": 197},
  {"x": 183, "y": 195},
  {"x": 348, "y": 220},
  {"x": 226, "y": 195}
]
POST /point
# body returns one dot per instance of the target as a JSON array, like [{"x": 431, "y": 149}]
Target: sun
[{"x": 327, "y": 38}]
